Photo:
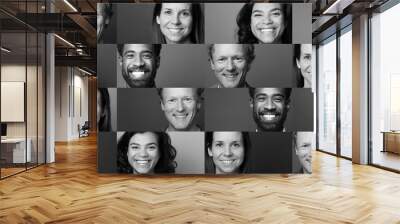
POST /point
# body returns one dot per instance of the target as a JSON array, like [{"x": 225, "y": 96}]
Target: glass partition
[
  {"x": 327, "y": 95},
  {"x": 22, "y": 90},
  {"x": 13, "y": 108},
  {"x": 346, "y": 92},
  {"x": 385, "y": 89}
]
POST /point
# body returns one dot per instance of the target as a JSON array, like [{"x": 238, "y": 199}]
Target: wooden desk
[
  {"x": 391, "y": 141},
  {"x": 16, "y": 147}
]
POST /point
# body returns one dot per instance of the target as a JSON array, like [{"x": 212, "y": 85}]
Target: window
[
  {"x": 385, "y": 88},
  {"x": 346, "y": 92},
  {"x": 327, "y": 96}
]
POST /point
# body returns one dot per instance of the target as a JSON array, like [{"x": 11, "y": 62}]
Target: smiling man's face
[
  {"x": 139, "y": 64},
  {"x": 180, "y": 106},
  {"x": 270, "y": 107},
  {"x": 230, "y": 64}
]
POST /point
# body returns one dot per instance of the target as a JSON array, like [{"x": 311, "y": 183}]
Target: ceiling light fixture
[
  {"x": 70, "y": 5},
  {"x": 337, "y": 7},
  {"x": 5, "y": 50},
  {"x": 84, "y": 71},
  {"x": 64, "y": 40}
]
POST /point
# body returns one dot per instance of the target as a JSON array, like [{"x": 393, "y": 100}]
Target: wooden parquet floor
[{"x": 71, "y": 191}]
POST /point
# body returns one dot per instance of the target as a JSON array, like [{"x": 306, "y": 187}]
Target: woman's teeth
[{"x": 227, "y": 162}]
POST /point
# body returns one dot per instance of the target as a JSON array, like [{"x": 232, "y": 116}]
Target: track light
[
  {"x": 70, "y": 5},
  {"x": 84, "y": 71},
  {"x": 64, "y": 40},
  {"x": 5, "y": 50},
  {"x": 337, "y": 7}
]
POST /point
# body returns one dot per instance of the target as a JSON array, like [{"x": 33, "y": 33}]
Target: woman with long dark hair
[
  {"x": 146, "y": 153},
  {"x": 264, "y": 23},
  {"x": 226, "y": 152},
  {"x": 178, "y": 23},
  {"x": 103, "y": 110}
]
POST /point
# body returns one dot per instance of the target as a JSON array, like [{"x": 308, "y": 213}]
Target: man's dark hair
[
  {"x": 156, "y": 49},
  {"x": 287, "y": 92},
  {"x": 248, "y": 52},
  {"x": 199, "y": 92}
]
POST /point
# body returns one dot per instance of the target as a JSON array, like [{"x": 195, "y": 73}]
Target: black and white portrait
[
  {"x": 266, "y": 23},
  {"x": 302, "y": 144},
  {"x": 178, "y": 23},
  {"x": 180, "y": 107},
  {"x": 204, "y": 88},
  {"x": 106, "y": 109},
  {"x": 146, "y": 153},
  {"x": 303, "y": 60},
  {"x": 272, "y": 108},
  {"x": 227, "y": 152},
  {"x": 251, "y": 23},
  {"x": 164, "y": 109},
  {"x": 139, "y": 64},
  {"x": 105, "y": 23},
  {"x": 250, "y": 65},
  {"x": 230, "y": 64}
]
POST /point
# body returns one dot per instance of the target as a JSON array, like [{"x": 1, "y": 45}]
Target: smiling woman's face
[
  {"x": 143, "y": 152},
  {"x": 267, "y": 22},
  {"x": 227, "y": 151},
  {"x": 175, "y": 22}
]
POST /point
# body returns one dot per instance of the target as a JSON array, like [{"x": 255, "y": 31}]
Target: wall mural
[{"x": 204, "y": 88}]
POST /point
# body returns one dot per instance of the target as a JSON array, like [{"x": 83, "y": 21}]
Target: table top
[
  {"x": 390, "y": 132},
  {"x": 13, "y": 140}
]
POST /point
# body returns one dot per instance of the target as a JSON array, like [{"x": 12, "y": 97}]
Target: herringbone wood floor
[{"x": 71, "y": 191}]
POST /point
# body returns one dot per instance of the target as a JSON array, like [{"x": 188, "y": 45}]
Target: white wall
[{"x": 70, "y": 83}]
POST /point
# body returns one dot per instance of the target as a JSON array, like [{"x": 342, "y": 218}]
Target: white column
[
  {"x": 360, "y": 90},
  {"x": 50, "y": 99}
]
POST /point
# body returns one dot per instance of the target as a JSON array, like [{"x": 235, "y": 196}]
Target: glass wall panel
[
  {"x": 41, "y": 98},
  {"x": 385, "y": 89},
  {"x": 31, "y": 98},
  {"x": 22, "y": 88},
  {"x": 13, "y": 108},
  {"x": 327, "y": 96},
  {"x": 346, "y": 93}
]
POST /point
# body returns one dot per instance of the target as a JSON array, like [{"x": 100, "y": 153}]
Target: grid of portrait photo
[{"x": 204, "y": 88}]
